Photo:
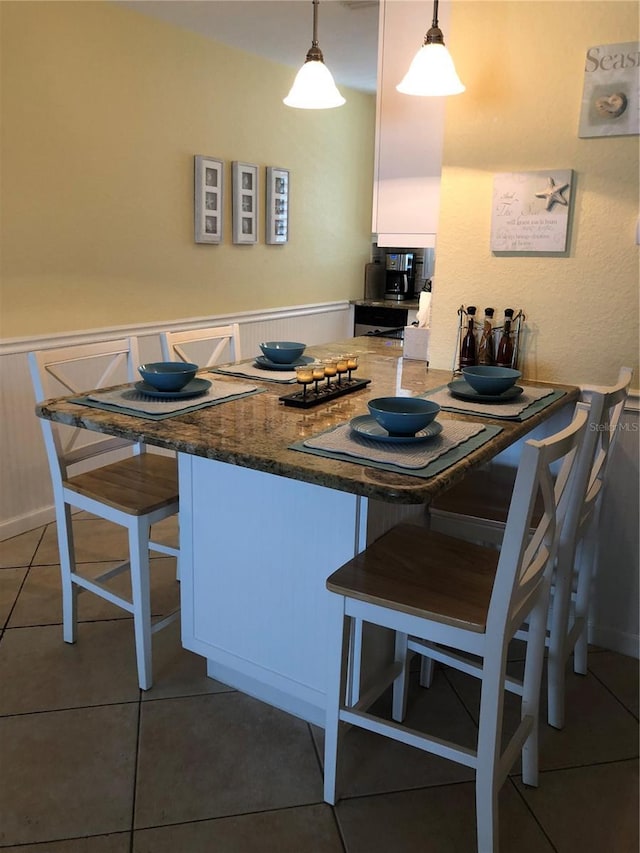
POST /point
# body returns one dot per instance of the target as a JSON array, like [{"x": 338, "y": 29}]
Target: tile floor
[{"x": 89, "y": 765}]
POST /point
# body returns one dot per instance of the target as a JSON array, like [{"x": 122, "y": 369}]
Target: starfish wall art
[{"x": 530, "y": 211}]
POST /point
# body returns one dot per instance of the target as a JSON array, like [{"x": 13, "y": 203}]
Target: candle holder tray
[{"x": 324, "y": 394}]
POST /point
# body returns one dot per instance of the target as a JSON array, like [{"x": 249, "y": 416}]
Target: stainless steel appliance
[{"x": 400, "y": 275}]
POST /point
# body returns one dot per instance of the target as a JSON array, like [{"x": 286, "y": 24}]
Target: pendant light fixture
[
  {"x": 313, "y": 88},
  {"x": 432, "y": 71}
]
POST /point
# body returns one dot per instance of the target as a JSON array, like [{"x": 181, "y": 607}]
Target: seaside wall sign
[
  {"x": 530, "y": 211},
  {"x": 610, "y": 105}
]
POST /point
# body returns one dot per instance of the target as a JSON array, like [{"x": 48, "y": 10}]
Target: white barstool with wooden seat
[
  {"x": 179, "y": 345},
  {"x": 476, "y": 511},
  {"x": 134, "y": 492},
  {"x": 468, "y": 598}
]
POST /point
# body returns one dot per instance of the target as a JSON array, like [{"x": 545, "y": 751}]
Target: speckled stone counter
[{"x": 255, "y": 432}]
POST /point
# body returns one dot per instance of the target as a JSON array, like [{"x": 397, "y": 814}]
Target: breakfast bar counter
[
  {"x": 262, "y": 525},
  {"x": 256, "y": 432}
]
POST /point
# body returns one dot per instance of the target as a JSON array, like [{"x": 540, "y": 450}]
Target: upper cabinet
[{"x": 409, "y": 132}]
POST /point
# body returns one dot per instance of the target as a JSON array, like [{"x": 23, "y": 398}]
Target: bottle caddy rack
[{"x": 517, "y": 322}]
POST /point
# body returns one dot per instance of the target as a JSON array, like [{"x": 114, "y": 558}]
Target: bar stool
[
  {"x": 468, "y": 598},
  {"x": 476, "y": 511},
  {"x": 135, "y": 492}
]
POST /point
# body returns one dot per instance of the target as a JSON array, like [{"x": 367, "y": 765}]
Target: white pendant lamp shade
[
  {"x": 314, "y": 88},
  {"x": 432, "y": 72}
]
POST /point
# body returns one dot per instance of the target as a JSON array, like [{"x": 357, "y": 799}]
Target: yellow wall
[
  {"x": 103, "y": 111},
  {"x": 522, "y": 63}
]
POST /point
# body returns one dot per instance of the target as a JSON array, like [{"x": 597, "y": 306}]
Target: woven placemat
[{"x": 456, "y": 441}]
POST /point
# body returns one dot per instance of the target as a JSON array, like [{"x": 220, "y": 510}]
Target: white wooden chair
[
  {"x": 176, "y": 346},
  {"x": 468, "y": 598},
  {"x": 134, "y": 492},
  {"x": 477, "y": 509}
]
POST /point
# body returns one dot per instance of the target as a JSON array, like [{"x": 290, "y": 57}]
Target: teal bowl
[
  {"x": 403, "y": 416},
  {"x": 487, "y": 379},
  {"x": 167, "y": 375},
  {"x": 282, "y": 352}
]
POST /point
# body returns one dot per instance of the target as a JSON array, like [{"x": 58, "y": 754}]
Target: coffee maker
[{"x": 399, "y": 275}]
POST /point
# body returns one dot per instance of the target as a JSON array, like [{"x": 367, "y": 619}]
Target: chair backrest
[
  {"x": 607, "y": 405},
  {"x": 74, "y": 370},
  {"x": 179, "y": 346},
  {"x": 527, "y": 553},
  {"x": 604, "y": 412}
]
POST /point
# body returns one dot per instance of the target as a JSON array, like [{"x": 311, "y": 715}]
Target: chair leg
[
  {"x": 558, "y": 650},
  {"x": 489, "y": 741},
  {"x": 336, "y": 670},
  {"x": 583, "y": 594},
  {"x": 141, "y": 594},
  {"x": 401, "y": 682},
  {"x": 427, "y": 669},
  {"x": 67, "y": 567},
  {"x": 531, "y": 688}
]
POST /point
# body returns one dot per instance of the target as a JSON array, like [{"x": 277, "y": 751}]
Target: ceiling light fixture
[
  {"x": 432, "y": 71},
  {"x": 313, "y": 88}
]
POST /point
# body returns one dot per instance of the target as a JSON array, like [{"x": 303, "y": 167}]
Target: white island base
[{"x": 256, "y": 550}]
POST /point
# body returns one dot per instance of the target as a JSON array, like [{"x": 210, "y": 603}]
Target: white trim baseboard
[{"x": 618, "y": 641}]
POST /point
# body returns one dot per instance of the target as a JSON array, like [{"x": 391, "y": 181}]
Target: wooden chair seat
[
  {"x": 138, "y": 485},
  {"x": 450, "y": 583}
]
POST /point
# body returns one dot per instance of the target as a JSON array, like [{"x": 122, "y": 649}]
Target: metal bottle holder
[{"x": 478, "y": 326}]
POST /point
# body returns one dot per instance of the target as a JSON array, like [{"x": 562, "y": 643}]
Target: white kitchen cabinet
[{"x": 409, "y": 132}]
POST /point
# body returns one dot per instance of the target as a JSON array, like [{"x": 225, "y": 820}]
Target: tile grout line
[
  {"x": 135, "y": 773},
  {"x": 511, "y": 781},
  {"x": 24, "y": 580},
  {"x": 334, "y": 814}
]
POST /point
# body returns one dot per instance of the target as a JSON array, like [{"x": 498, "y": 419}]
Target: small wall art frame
[
  {"x": 245, "y": 202},
  {"x": 277, "y": 213},
  {"x": 208, "y": 199}
]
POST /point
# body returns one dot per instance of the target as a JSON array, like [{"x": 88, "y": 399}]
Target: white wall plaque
[
  {"x": 610, "y": 97},
  {"x": 530, "y": 211}
]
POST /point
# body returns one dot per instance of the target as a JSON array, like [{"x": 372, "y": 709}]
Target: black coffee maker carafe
[{"x": 399, "y": 275}]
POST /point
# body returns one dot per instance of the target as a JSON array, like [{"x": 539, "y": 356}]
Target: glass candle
[
  {"x": 304, "y": 375},
  {"x": 341, "y": 366},
  {"x": 317, "y": 372},
  {"x": 330, "y": 369},
  {"x": 352, "y": 362}
]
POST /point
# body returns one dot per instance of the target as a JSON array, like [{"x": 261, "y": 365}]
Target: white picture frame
[
  {"x": 208, "y": 199},
  {"x": 245, "y": 202},
  {"x": 277, "y": 210}
]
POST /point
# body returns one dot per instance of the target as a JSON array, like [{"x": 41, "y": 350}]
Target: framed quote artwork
[
  {"x": 277, "y": 218},
  {"x": 208, "y": 199},
  {"x": 245, "y": 202}
]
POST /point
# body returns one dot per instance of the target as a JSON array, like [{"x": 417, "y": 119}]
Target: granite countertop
[{"x": 255, "y": 431}]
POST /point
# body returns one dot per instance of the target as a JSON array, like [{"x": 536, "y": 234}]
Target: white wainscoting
[{"x": 26, "y": 499}]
